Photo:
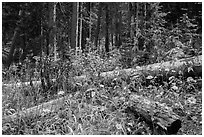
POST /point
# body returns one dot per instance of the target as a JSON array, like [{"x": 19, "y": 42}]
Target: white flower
[
  {"x": 174, "y": 87},
  {"x": 191, "y": 100},
  {"x": 166, "y": 69},
  {"x": 61, "y": 92},
  {"x": 149, "y": 77},
  {"x": 119, "y": 126},
  {"x": 93, "y": 94},
  {"x": 190, "y": 79},
  {"x": 102, "y": 86}
]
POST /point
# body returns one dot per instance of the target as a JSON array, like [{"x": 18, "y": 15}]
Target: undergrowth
[{"x": 96, "y": 106}]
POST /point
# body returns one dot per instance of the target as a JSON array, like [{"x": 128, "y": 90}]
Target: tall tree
[
  {"x": 107, "y": 29},
  {"x": 80, "y": 25},
  {"x": 129, "y": 18},
  {"x": 90, "y": 19},
  {"x": 52, "y": 26},
  {"x": 55, "y": 30},
  {"x": 118, "y": 25},
  {"x": 98, "y": 24},
  {"x": 15, "y": 39},
  {"x": 74, "y": 35}
]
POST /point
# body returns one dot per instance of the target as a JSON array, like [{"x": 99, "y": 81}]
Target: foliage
[
  {"x": 98, "y": 109},
  {"x": 93, "y": 63},
  {"x": 95, "y": 106}
]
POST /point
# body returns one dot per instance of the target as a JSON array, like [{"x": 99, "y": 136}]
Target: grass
[
  {"x": 96, "y": 107},
  {"x": 99, "y": 111}
]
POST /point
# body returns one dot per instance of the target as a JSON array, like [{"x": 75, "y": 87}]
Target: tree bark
[
  {"x": 55, "y": 31},
  {"x": 52, "y": 33},
  {"x": 98, "y": 24},
  {"x": 129, "y": 19},
  {"x": 90, "y": 28},
  {"x": 51, "y": 106},
  {"x": 86, "y": 29},
  {"x": 170, "y": 68},
  {"x": 80, "y": 26},
  {"x": 120, "y": 31},
  {"x": 74, "y": 25},
  {"x": 107, "y": 29},
  {"x": 118, "y": 25},
  {"x": 15, "y": 40},
  {"x": 173, "y": 69},
  {"x": 167, "y": 121},
  {"x": 160, "y": 118},
  {"x": 112, "y": 34},
  {"x": 136, "y": 40}
]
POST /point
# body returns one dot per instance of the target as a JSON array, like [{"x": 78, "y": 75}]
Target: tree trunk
[
  {"x": 15, "y": 40},
  {"x": 98, "y": 24},
  {"x": 120, "y": 31},
  {"x": 145, "y": 15},
  {"x": 129, "y": 19},
  {"x": 137, "y": 20},
  {"x": 74, "y": 31},
  {"x": 142, "y": 21},
  {"x": 89, "y": 9},
  {"x": 77, "y": 28},
  {"x": 107, "y": 30},
  {"x": 112, "y": 34},
  {"x": 24, "y": 47},
  {"x": 52, "y": 26},
  {"x": 85, "y": 30},
  {"x": 118, "y": 25},
  {"x": 80, "y": 27},
  {"x": 55, "y": 31}
]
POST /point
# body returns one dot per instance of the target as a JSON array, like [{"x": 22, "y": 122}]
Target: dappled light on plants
[{"x": 97, "y": 68}]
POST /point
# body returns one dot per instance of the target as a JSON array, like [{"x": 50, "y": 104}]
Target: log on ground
[
  {"x": 169, "y": 68},
  {"x": 154, "y": 69},
  {"x": 160, "y": 117},
  {"x": 48, "y": 107}
]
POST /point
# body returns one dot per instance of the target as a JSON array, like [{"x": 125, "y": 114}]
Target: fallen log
[
  {"x": 170, "y": 67},
  {"x": 22, "y": 84},
  {"x": 48, "y": 107},
  {"x": 167, "y": 69},
  {"x": 160, "y": 118},
  {"x": 55, "y": 104}
]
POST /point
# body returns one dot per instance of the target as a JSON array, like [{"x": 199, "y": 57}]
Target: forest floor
[{"x": 99, "y": 109}]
